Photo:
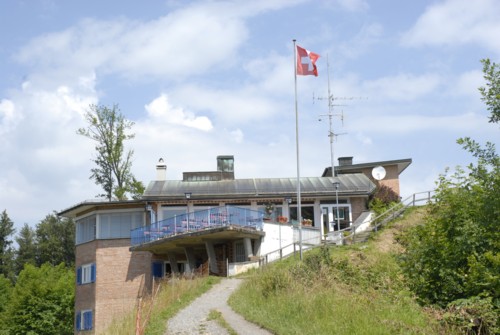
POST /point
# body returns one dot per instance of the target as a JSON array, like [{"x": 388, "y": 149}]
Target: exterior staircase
[{"x": 391, "y": 214}]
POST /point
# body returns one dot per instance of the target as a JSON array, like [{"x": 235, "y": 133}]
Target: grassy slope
[
  {"x": 172, "y": 297},
  {"x": 356, "y": 289}
]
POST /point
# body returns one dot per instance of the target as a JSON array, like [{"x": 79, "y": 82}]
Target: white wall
[{"x": 271, "y": 242}]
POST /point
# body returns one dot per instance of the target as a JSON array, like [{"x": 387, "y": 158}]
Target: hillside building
[{"x": 208, "y": 222}]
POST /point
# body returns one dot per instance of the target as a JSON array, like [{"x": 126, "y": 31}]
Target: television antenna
[{"x": 331, "y": 134}]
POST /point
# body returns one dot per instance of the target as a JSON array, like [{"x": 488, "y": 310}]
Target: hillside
[{"x": 355, "y": 289}]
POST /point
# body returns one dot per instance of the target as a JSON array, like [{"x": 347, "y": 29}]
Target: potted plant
[
  {"x": 307, "y": 222},
  {"x": 282, "y": 219},
  {"x": 269, "y": 209}
]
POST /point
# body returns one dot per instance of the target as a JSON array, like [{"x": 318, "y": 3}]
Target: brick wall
[
  {"x": 390, "y": 180},
  {"x": 121, "y": 276},
  {"x": 84, "y": 294},
  {"x": 358, "y": 205}
]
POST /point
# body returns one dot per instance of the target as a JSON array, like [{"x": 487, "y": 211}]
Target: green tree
[
  {"x": 42, "y": 301},
  {"x": 6, "y": 252},
  {"x": 453, "y": 259},
  {"x": 55, "y": 241},
  {"x": 5, "y": 292},
  {"x": 491, "y": 92},
  {"x": 26, "y": 251},
  {"x": 109, "y": 129}
]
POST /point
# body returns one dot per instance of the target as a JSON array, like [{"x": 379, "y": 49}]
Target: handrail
[
  {"x": 390, "y": 214},
  {"x": 397, "y": 209}
]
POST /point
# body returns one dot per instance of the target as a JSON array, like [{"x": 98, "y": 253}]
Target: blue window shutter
[
  {"x": 79, "y": 275},
  {"x": 90, "y": 320},
  {"x": 78, "y": 320},
  {"x": 87, "y": 320},
  {"x": 92, "y": 273},
  {"x": 157, "y": 269}
]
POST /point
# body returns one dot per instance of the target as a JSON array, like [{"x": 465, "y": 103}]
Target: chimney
[
  {"x": 161, "y": 170},
  {"x": 345, "y": 161}
]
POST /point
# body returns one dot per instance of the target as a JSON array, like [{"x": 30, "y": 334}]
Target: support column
[
  {"x": 173, "y": 263},
  {"x": 211, "y": 257},
  {"x": 256, "y": 247},
  {"x": 247, "y": 242},
  {"x": 190, "y": 258}
]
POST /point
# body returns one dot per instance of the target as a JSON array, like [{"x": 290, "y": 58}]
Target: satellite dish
[{"x": 378, "y": 172}]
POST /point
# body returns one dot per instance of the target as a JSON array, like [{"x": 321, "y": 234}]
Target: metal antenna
[{"x": 330, "y": 115}]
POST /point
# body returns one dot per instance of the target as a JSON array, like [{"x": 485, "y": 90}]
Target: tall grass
[
  {"x": 349, "y": 290},
  {"x": 173, "y": 295}
]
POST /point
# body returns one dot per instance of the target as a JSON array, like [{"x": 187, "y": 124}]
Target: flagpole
[{"x": 299, "y": 204}]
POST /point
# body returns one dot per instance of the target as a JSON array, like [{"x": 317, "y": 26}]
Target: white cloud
[
  {"x": 194, "y": 39},
  {"x": 457, "y": 22},
  {"x": 369, "y": 35},
  {"x": 468, "y": 83},
  {"x": 404, "y": 87},
  {"x": 237, "y": 135},
  {"x": 354, "y": 5},
  {"x": 8, "y": 116},
  {"x": 161, "y": 111},
  {"x": 236, "y": 104},
  {"x": 405, "y": 124}
]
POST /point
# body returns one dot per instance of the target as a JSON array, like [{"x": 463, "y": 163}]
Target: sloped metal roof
[{"x": 350, "y": 184}]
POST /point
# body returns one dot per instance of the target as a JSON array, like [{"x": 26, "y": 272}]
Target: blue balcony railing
[{"x": 197, "y": 221}]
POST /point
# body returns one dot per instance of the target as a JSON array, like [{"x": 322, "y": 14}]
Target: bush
[
  {"x": 42, "y": 301},
  {"x": 474, "y": 316}
]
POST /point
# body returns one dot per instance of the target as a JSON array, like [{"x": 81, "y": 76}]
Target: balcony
[{"x": 214, "y": 219}]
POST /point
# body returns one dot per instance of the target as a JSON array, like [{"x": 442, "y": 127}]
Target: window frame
[{"x": 86, "y": 274}]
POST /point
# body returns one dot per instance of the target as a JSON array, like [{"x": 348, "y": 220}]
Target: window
[
  {"x": 157, "y": 269},
  {"x": 307, "y": 212},
  {"x": 118, "y": 225},
  {"x": 239, "y": 252},
  {"x": 85, "y": 274},
  {"x": 84, "y": 320},
  {"x": 85, "y": 229}
]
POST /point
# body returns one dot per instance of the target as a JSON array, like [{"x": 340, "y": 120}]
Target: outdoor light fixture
[
  {"x": 187, "y": 195},
  {"x": 288, "y": 200}
]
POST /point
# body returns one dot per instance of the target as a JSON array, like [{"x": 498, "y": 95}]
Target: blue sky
[{"x": 208, "y": 78}]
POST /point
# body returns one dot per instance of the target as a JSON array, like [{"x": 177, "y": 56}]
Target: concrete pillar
[
  {"x": 173, "y": 263},
  {"x": 256, "y": 246},
  {"x": 247, "y": 242},
  {"x": 211, "y": 257},
  {"x": 190, "y": 258}
]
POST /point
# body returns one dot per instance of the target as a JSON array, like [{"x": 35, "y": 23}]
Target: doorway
[{"x": 329, "y": 220}]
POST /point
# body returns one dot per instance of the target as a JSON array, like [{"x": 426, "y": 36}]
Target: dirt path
[{"x": 193, "y": 319}]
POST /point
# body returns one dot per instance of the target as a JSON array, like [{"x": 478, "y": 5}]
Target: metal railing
[
  {"x": 198, "y": 221},
  {"x": 416, "y": 199},
  {"x": 399, "y": 208}
]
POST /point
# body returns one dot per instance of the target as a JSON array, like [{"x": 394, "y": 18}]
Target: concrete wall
[{"x": 271, "y": 242}]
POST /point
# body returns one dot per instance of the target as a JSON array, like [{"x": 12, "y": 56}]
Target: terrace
[{"x": 214, "y": 220}]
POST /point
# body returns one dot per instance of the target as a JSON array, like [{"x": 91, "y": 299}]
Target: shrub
[{"x": 474, "y": 316}]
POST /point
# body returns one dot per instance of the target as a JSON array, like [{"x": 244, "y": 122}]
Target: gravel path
[{"x": 193, "y": 319}]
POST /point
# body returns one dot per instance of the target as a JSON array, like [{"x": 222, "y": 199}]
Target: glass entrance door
[{"x": 329, "y": 219}]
